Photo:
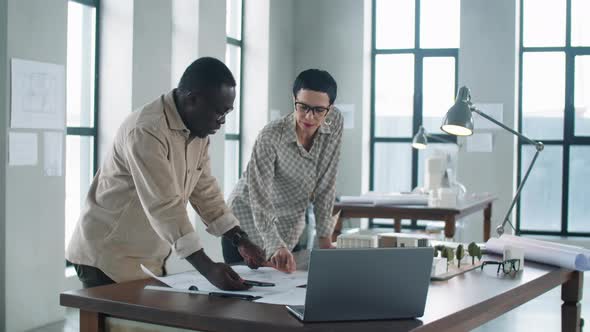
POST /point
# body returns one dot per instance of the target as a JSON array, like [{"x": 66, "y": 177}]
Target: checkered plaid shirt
[{"x": 282, "y": 178}]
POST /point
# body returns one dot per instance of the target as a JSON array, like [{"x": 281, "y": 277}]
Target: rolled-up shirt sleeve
[
  {"x": 325, "y": 190},
  {"x": 207, "y": 199},
  {"x": 161, "y": 200},
  {"x": 260, "y": 176}
]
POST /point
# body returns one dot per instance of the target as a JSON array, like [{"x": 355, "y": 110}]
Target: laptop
[{"x": 366, "y": 284}]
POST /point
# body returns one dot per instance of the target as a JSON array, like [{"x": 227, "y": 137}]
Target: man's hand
[
  {"x": 253, "y": 255},
  {"x": 224, "y": 277},
  {"x": 219, "y": 274},
  {"x": 325, "y": 243},
  {"x": 283, "y": 260}
]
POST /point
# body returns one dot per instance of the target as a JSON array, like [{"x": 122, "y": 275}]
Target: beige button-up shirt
[
  {"x": 282, "y": 178},
  {"x": 135, "y": 211}
]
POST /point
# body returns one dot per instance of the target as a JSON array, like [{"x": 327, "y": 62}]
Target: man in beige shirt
[{"x": 135, "y": 211}]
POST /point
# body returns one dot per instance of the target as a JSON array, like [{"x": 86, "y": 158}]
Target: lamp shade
[
  {"x": 459, "y": 121},
  {"x": 420, "y": 140}
]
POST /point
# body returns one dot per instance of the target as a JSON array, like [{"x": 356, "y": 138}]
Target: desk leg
[
  {"x": 487, "y": 222},
  {"x": 571, "y": 294},
  {"x": 91, "y": 321},
  {"x": 397, "y": 225},
  {"x": 450, "y": 227}
]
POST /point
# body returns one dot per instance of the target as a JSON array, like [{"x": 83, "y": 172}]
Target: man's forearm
[
  {"x": 200, "y": 261},
  {"x": 230, "y": 233}
]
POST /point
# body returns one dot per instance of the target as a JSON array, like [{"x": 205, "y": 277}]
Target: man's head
[
  {"x": 205, "y": 95},
  {"x": 314, "y": 93}
]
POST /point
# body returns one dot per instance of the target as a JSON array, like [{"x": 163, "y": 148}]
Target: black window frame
[
  {"x": 417, "y": 117},
  {"x": 569, "y": 137}
]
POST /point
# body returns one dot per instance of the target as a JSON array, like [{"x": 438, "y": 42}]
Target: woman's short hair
[{"x": 316, "y": 80}]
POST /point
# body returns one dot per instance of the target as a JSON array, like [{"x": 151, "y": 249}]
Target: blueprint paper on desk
[
  {"x": 285, "y": 290},
  {"x": 571, "y": 257},
  {"x": 384, "y": 199}
]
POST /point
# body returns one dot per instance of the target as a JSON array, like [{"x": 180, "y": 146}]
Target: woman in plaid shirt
[{"x": 294, "y": 162}]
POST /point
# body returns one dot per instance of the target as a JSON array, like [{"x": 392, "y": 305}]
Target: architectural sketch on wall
[{"x": 37, "y": 95}]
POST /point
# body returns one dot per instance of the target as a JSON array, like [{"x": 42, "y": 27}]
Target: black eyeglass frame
[
  {"x": 317, "y": 111},
  {"x": 514, "y": 265}
]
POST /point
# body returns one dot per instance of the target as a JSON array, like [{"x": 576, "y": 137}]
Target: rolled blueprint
[{"x": 571, "y": 257}]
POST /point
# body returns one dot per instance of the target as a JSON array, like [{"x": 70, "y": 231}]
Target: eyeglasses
[
  {"x": 508, "y": 266},
  {"x": 317, "y": 111},
  {"x": 221, "y": 114}
]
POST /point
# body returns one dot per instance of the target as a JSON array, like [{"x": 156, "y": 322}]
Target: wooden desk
[
  {"x": 399, "y": 212},
  {"x": 458, "y": 304}
]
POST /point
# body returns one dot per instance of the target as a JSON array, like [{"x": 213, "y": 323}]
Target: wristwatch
[{"x": 238, "y": 237}]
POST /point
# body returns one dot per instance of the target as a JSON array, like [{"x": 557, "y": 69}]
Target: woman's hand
[
  {"x": 283, "y": 260},
  {"x": 326, "y": 243}
]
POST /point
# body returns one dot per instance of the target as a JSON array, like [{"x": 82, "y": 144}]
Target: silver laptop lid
[{"x": 363, "y": 284}]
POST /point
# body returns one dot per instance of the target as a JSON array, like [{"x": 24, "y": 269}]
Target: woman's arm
[
  {"x": 325, "y": 190},
  {"x": 260, "y": 176}
]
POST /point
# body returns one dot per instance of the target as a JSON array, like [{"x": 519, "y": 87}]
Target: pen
[
  {"x": 236, "y": 296},
  {"x": 258, "y": 283},
  {"x": 194, "y": 290},
  {"x": 218, "y": 294}
]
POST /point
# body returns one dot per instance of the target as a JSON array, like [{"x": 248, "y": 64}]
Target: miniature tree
[
  {"x": 435, "y": 253},
  {"x": 472, "y": 251},
  {"x": 478, "y": 253},
  {"x": 443, "y": 252},
  {"x": 460, "y": 254},
  {"x": 449, "y": 254}
]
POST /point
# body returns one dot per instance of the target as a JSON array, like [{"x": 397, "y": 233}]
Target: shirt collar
[{"x": 172, "y": 116}]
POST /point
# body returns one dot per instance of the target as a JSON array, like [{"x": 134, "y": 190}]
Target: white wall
[
  {"x": 184, "y": 32},
  {"x": 256, "y": 72},
  {"x": 152, "y": 27},
  {"x": 329, "y": 35},
  {"x": 115, "y": 69},
  {"x": 3, "y": 157},
  {"x": 281, "y": 59},
  {"x": 268, "y": 66},
  {"x": 488, "y": 65},
  {"x": 34, "y": 261}
]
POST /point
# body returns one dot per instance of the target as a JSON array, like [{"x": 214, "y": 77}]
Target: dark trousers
[
  {"x": 231, "y": 255},
  {"x": 91, "y": 276}
]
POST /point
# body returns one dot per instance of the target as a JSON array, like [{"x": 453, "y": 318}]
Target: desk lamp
[
  {"x": 459, "y": 122},
  {"x": 420, "y": 140}
]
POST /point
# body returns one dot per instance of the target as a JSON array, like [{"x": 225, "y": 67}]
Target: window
[
  {"x": 233, "y": 59},
  {"x": 415, "y": 47},
  {"x": 81, "y": 108},
  {"x": 555, "y": 109}
]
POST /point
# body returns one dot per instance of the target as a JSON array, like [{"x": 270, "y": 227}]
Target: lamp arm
[
  {"x": 538, "y": 145},
  {"x": 500, "y": 229},
  {"x": 442, "y": 139}
]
